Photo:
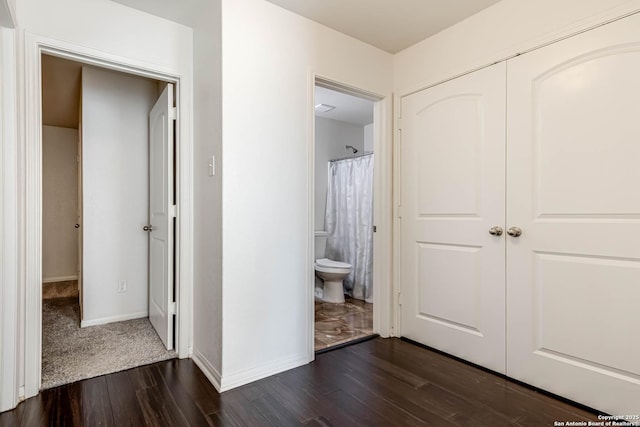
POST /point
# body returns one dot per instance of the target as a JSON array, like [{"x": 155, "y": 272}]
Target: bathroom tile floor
[{"x": 340, "y": 323}]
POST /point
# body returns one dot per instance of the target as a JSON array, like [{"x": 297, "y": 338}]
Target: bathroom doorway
[{"x": 344, "y": 159}]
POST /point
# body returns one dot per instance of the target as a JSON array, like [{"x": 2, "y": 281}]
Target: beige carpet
[{"x": 71, "y": 353}]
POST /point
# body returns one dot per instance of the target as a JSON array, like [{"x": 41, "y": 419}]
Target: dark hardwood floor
[{"x": 382, "y": 382}]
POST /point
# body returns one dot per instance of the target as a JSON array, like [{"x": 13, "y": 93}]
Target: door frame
[
  {"x": 382, "y": 204},
  {"x": 30, "y": 240},
  {"x": 9, "y": 290}
]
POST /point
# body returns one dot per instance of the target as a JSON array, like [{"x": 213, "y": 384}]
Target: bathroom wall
[
  {"x": 59, "y": 204},
  {"x": 368, "y": 138},
  {"x": 331, "y": 138}
]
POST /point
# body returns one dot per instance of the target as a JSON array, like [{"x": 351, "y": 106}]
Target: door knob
[
  {"x": 514, "y": 231},
  {"x": 76, "y": 226},
  {"x": 148, "y": 228},
  {"x": 496, "y": 230}
]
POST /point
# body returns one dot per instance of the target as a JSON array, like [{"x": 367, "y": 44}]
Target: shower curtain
[{"x": 349, "y": 222}]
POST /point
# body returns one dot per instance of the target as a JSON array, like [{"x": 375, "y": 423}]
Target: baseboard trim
[
  {"x": 59, "y": 279},
  {"x": 111, "y": 319},
  {"x": 207, "y": 369},
  {"x": 259, "y": 372}
]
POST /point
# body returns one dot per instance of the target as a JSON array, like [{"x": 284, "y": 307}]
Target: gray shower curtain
[{"x": 349, "y": 222}]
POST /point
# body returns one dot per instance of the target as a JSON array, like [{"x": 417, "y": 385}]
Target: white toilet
[{"x": 332, "y": 274}]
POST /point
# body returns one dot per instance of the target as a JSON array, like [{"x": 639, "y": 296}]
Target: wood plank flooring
[{"x": 382, "y": 382}]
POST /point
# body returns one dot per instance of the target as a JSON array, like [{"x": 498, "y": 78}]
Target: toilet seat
[{"x": 329, "y": 263}]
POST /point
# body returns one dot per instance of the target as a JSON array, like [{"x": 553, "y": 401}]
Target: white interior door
[
  {"x": 161, "y": 216},
  {"x": 452, "y": 194},
  {"x": 573, "y": 181}
]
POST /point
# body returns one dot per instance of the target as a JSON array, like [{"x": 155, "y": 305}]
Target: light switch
[{"x": 212, "y": 165}]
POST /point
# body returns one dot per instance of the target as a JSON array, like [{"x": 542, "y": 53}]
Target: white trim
[
  {"x": 246, "y": 376},
  {"x": 34, "y": 46},
  {"x": 382, "y": 204},
  {"x": 59, "y": 279},
  {"x": 9, "y": 395},
  {"x": 111, "y": 319},
  {"x": 207, "y": 369},
  {"x": 397, "y": 205},
  {"x": 311, "y": 237},
  {"x": 383, "y": 218}
]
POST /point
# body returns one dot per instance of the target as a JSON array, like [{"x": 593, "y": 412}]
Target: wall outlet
[{"x": 122, "y": 286}]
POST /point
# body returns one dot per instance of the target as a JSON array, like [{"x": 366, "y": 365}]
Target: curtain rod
[{"x": 351, "y": 157}]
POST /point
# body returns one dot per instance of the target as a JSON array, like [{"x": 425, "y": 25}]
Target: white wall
[
  {"x": 207, "y": 298},
  {"x": 269, "y": 56},
  {"x": 115, "y": 185},
  {"x": 7, "y": 12},
  {"x": 331, "y": 138},
  {"x": 500, "y": 31},
  {"x": 368, "y": 138},
  {"x": 59, "y": 203}
]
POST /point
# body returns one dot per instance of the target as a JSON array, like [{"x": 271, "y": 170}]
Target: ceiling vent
[{"x": 324, "y": 108}]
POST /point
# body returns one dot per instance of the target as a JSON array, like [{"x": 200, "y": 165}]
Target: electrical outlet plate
[{"x": 122, "y": 286}]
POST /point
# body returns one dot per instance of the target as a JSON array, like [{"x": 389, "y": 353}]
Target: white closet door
[
  {"x": 573, "y": 187},
  {"x": 161, "y": 217},
  {"x": 452, "y": 193}
]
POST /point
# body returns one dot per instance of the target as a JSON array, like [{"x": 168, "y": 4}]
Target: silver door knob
[
  {"x": 496, "y": 230},
  {"x": 148, "y": 228},
  {"x": 514, "y": 231}
]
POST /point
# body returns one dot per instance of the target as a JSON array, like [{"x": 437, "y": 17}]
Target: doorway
[
  {"x": 99, "y": 256},
  {"x": 344, "y": 134}
]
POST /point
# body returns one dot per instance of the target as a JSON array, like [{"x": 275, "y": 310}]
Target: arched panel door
[
  {"x": 452, "y": 199},
  {"x": 573, "y": 188}
]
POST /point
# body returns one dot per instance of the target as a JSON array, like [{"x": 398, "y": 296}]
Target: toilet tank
[{"x": 320, "y": 244}]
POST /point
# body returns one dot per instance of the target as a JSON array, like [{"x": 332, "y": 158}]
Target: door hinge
[
  {"x": 399, "y": 211},
  {"x": 400, "y": 123},
  {"x": 399, "y": 298},
  {"x": 173, "y": 211},
  {"x": 173, "y": 113},
  {"x": 375, "y": 228},
  {"x": 172, "y": 309}
]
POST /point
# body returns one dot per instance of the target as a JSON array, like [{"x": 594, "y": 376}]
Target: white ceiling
[
  {"x": 391, "y": 25},
  {"x": 348, "y": 109},
  {"x": 184, "y": 12}
]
